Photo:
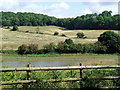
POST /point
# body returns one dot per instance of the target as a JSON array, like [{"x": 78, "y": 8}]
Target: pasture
[{"x": 11, "y": 40}]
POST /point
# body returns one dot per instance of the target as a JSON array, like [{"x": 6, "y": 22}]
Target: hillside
[
  {"x": 13, "y": 39},
  {"x": 102, "y": 21}
]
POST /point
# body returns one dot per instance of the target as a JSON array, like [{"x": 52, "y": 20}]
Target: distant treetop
[{"x": 104, "y": 20}]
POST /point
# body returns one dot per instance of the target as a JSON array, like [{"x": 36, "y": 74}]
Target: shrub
[
  {"x": 60, "y": 47},
  {"x": 99, "y": 48},
  {"x": 80, "y": 35},
  {"x": 63, "y": 35},
  {"x": 41, "y": 51},
  {"x": 32, "y": 48},
  {"x": 80, "y": 48},
  {"x": 26, "y": 31},
  {"x": 56, "y": 33},
  {"x": 111, "y": 40},
  {"x": 88, "y": 48},
  {"x": 23, "y": 49},
  {"x": 41, "y": 33},
  {"x": 15, "y": 28},
  {"x": 68, "y": 41},
  {"x": 27, "y": 49},
  {"x": 50, "y": 47}
]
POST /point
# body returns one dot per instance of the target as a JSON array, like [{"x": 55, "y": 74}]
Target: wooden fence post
[
  {"x": 81, "y": 75},
  {"x": 28, "y": 75}
]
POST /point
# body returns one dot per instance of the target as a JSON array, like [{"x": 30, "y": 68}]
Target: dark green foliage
[
  {"x": 104, "y": 20},
  {"x": 32, "y": 48},
  {"x": 63, "y": 35},
  {"x": 60, "y": 47},
  {"x": 80, "y": 35},
  {"x": 26, "y": 31},
  {"x": 22, "y": 49},
  {"x": 64, "y": 47},
  {"x": 111, "y": 40},
  {"x": 68, "y": 41},
  {"x": 15, "y": 28},
  {"x": 42, "y": 51},
  {"x": 99, "y": 48},
  {"x": 81, "y": 48},
  {"x": 56, "y": 33},
  {"x": 41, "y": 33},
  {"x": 50, "y": 48},
  {"x": 26, "y": 19},
  {"x": 27, "y": 49}
]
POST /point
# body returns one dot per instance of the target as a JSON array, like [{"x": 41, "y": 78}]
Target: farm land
[{"x": 11, "y": 40}]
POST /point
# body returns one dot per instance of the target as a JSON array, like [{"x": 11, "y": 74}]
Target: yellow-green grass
[
  {"x": 85, "y": 59},
  {"x": 11, "y": 40}
]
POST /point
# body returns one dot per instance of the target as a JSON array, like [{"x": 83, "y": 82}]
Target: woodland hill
[{"x": 104, "y": 21}]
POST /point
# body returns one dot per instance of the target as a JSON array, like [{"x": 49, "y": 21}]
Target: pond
[
  {"x": 58, "y": 60},
  {"x": 16, "y": 64}
]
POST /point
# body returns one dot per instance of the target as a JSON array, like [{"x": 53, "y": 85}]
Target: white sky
[{"x": 60, "y": 8}]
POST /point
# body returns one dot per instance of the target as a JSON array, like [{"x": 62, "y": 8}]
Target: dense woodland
[{"x": 104, "y": 20}]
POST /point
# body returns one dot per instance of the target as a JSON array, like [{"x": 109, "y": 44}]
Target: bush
[
  {"x": 111, "y": 40},
  {"x": 63, "y": 35},
  {"x": 80, "y": 35},
  {"x": 68, "y": 41},
  {"x": 23, "y": 49},
  {"x": 50, "y": 47},
  {"x": 27, "y": 49},
  {"x": 56, "y": 33},
  {"x": 27, "y": 31},
  {"x": 15, "y": 28},
  {"x": 99, "y": 48},
  {"x": 32, "y": 48},
  {"x": 88, "y": 48},
  {"x": 41, "y": 33},
  {"x": 60, "y": 47}
]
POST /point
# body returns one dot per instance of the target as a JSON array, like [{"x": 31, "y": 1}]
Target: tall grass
[{"x": 46, "y": 75}]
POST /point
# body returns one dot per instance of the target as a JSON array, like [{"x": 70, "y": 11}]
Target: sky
[{"x": 60, "y": 8}]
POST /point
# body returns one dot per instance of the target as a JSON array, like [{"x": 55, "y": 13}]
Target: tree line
[
  {"x": 104, "y": 20},
  {"x": 108, "y": 42}
]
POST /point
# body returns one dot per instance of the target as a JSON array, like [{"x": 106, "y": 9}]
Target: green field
[{"x": 11, "y": 40}]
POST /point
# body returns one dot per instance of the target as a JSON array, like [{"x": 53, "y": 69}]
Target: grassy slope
[{"x": 13, "y": 39}]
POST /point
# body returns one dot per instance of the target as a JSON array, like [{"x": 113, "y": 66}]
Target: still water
[{"x": 16, "y": 64}]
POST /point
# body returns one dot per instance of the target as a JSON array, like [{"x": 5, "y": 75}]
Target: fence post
[
  {"x": 28, "y": 75},
  {"x": 81, "y": 75}
]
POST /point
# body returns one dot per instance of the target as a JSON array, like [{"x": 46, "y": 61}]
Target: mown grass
[{"x": 13, "y": 39}]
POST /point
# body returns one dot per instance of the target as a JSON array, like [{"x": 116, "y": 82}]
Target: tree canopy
[
  {"x": 104, "y": 20},
  {"x": 111, "y": 40}
]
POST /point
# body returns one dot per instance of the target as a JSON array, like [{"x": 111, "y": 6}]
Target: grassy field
[
  {"x": 11, "y": 40},
  {"x": 86, "y": 59}
]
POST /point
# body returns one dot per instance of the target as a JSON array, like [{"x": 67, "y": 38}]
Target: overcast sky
[{"x": 60, "y": 8}]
